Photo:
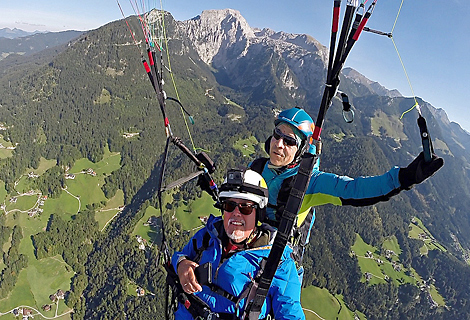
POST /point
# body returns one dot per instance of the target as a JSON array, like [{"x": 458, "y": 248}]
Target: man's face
[
  {"x": 281, "y": 154},
  {"x": 237, "y": 225}
]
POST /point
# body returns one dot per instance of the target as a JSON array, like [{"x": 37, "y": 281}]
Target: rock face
[{"x": 251, "y": 59}]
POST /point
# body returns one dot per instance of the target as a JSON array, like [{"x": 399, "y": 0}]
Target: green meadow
[
  {"x": 419, "y": 231},
  {"x": 320, "y": 304},
  {"x": 246, "y": 146},
  {"x": 188, "y": 214},
  {"x": 44, "y": 277}
]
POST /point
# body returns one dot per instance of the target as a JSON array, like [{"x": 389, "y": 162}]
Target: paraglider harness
[
  {"x": 195, "y": 305},
  {"x": 299, "y": 236}
]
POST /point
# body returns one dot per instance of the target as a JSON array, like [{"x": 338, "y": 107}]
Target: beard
[{"x": 236, "y": 235}]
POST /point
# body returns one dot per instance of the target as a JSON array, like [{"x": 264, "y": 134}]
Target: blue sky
[{"x": 431, "y": 35}]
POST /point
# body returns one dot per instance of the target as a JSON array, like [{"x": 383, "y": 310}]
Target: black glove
[{"x": 419, "y": 170}]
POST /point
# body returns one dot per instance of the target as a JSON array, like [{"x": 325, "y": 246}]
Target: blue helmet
[
  {"x": 302, "y": 125},
  {"x": 298, "y": 119}
]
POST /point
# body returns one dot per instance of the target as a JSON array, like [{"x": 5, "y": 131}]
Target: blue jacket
[
  {"x": 233, "y": 275},
  {"x": 330, "y": 188}
]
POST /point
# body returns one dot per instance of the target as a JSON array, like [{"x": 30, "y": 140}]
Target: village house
[
  {"x": 203, "y": 220},
  {"x": 46, "y": 307},
  {"x": 32, "y": 175},
  {"x": 13, "y": 199},
  {"x": 60, "y": 294},
  {"x": 69, "y": 176},
  {"x": 27, "y": 313},
  {"x": 368, "y": 276},
  {"x": 140, "y": 292},
  {"x": 32, "y": 212}
]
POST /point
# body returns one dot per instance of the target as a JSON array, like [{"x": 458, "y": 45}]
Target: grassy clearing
[
  {"x": 145, "y": 231},
  {"x": 65, "y": 205},
  {"x": 44, "y": 165},
  {"x": 391, "y": 243},
  {"x": 320, "y": 304},
  {"x": 419, "y": 231},
  {"x": 246, "y": 146},
  {"x": 23, "y": 203},
  {"x": 383, "y": 124},
  {"x": 88, "y": 188},
  {"x": 188, "y": 214},
  {"x": 5, "y": 153},
  {"x": 112, "y": 207},
  {"x": 42, "y": 277},
  {"x": 361, "y": 248},
  {"x": 24, "y": 184}
]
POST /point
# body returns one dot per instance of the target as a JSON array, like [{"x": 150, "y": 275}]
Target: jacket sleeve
[
  {"x": 188, "y": 250},
  {"x": 285, "y": 292},
  {"x": 342, "y": 190}
]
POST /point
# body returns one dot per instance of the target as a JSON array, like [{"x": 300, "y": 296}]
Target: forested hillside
[{"x": 92, "y": 98}]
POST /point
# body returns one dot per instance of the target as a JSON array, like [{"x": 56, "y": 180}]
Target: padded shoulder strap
[{"x": 258, "y": 165}]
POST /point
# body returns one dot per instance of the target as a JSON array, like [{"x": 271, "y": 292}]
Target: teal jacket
[{"x": 330, "y": 188}]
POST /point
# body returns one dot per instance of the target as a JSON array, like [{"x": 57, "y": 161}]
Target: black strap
[
  {"x": 195, "y": 305},
  {"x": 258, "y": 165},
  {"x": 205, "y": 244},
  {"x": 286, "y": 225}
]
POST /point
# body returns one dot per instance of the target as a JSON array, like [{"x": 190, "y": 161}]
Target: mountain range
[{"x": 86, "y": 91}]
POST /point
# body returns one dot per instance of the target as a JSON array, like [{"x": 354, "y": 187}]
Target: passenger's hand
[
  {"x": 187, "y": 276},
  {"x": 419, "y": 170}
]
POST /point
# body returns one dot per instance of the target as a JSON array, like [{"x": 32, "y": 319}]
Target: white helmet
[{"x": 248, "y": 185}]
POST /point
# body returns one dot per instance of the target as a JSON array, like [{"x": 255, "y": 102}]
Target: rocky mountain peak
[{"x": 214, "y": 30}]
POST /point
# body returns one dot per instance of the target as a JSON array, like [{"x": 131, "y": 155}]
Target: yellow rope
[
  {"x": 408, "y": 78},
  {"x": 396, "y": 19},
  {"x": 171, "y": 73},
  {"x": 416, "y": 105}
]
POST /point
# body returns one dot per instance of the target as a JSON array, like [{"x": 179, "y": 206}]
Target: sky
[{"x": 432, "y": 36}]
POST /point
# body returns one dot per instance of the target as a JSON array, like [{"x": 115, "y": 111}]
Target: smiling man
[{"x": 215, "y": 270}]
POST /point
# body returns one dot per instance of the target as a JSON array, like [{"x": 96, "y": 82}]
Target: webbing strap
[{"x": 286, "y": 225}]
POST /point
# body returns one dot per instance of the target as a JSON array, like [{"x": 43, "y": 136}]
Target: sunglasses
[
  {"x": 244, "y": 208},
  {"x": 288, "y": 140}
]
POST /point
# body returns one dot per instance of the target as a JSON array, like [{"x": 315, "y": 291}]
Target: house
[
  {"x": 16, "y": 312},
  {"x": 32, "y": 175},
  {"x": 60, "y": 294},
  {"x": 27, "y": 312},
  {"x": 203, "y": 219},
  {"x": 53, "y": 297},
  {"x": 46, "y": 307},
  {"x": 69, "y": 176},
  {"x": 13, "y": 199},
  {"x": 368, "y": 276},
  {"x": 140, "y": 292},
  {"x": 32, "y": 212}
]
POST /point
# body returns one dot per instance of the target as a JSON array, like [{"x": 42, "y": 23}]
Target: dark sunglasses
[
  {"x": 244, "y": 208},
  {"x": 288, "y": 140}
]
